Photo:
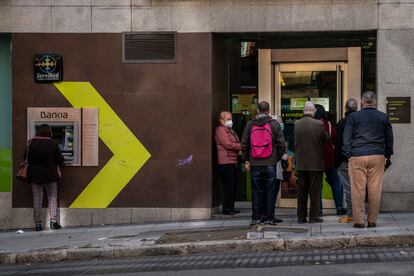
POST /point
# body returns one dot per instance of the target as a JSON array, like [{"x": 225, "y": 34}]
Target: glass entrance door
[{"x": 297, "y": 83}]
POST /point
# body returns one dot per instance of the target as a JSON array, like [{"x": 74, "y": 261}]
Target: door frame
[{"x": 269, "y": 58}]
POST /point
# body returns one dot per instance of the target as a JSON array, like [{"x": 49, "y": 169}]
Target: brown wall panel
[{"x": 167, "y": 107}]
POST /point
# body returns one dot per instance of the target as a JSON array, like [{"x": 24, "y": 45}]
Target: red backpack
[{"x": 261, "y": 141}]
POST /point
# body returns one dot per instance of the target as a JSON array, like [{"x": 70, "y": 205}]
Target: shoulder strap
[{"x": 27, "y": 149}]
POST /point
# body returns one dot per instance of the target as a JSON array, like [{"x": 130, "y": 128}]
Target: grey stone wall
[
  {"x": 395, "y": 65},
  {"x": 187, "y": 15}
]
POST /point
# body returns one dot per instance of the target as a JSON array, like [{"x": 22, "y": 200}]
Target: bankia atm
[{"x": 75, "y": 130}]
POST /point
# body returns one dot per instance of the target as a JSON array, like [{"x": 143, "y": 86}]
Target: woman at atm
[{"x": 44, "y": 159}]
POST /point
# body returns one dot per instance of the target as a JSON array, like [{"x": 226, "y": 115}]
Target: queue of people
[{"x": 353, "y": 156}]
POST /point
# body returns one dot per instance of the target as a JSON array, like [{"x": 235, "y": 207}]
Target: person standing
[
  {"x": 279, "y": 166},
  {"x": 341, "y": 162},
  {"x": 368, "y": 142},
  {"x": 329, "y": 165},
  {"x": 263, "y": 145},
  {"x": 44, "y": 158},
  {"x": 310, "y": 138},
  {"x": 228, "y": 151}
]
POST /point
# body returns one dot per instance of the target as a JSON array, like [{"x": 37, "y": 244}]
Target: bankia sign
[{"x": 48, "y": 67}]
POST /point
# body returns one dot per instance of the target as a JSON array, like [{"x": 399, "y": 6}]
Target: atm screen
[{"x": 64, "y": 134}]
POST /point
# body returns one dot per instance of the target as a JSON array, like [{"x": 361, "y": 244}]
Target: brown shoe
[
  {"x": 372, "y": 225},
  {"x": 359, "y": 225},
  {"x": 345, "y": 219}
]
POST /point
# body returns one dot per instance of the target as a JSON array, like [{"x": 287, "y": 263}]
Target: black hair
[
  {"x": 263, "y": 107},
  {"x": 320, "y": 112},
  {"x": 44, "y": 131}
]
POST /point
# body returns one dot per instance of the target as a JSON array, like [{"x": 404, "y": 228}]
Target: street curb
[{"x": 319, "y": 242}]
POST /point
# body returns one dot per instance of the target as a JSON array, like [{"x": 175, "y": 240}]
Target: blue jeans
[
  {"x": 333, "y": 180},
  {"x": 346, "y": 186},
  {"x": 263, "y": 191}
]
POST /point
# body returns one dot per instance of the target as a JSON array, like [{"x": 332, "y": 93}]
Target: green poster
[{"x": 297, "y": 103}]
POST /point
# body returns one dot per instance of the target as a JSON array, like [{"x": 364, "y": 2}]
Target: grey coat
[{"x": 310, "y": 139}]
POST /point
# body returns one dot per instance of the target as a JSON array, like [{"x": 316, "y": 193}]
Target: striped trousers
[{"x": 37, "y": 190}]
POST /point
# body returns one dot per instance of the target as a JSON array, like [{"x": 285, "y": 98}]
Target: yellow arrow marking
[{"x": 129, "y": 154}]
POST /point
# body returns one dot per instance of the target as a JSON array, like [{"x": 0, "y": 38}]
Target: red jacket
[
  {"x": 329, "y": 146},
  {"x": 228, "y": 145}
]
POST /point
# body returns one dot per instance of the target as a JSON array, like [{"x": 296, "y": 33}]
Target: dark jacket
[
  {"x": 228, "y": 145},
  {"x": 310, "y": 140},
  {"x": 329, "y": 150},
  {"x": 339, "y": 141},
  {"x": 43, "y": 157},
  {"x": 278, "y": 142},
  {"x": 368, "y": 132}
]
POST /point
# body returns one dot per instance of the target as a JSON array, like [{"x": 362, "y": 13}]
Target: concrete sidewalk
[{"x": 394, "y": 229}]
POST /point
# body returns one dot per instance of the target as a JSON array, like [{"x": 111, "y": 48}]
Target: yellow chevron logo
[{"x": 129, "y": 154}]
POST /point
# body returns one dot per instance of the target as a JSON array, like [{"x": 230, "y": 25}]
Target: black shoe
[
  {"x": 302, "y": 221},
  {"x": 272, "y": 221},
  {"x": 230, "y": 213},
  {"x": 255, "y": 222},
  {"x": 236, "y": 211},
  {"x": 341, "y": 212},
  {"x": 39, "y": 227},
  {"x": 359, "y": 225},
  {"x": 315, "y": 220},
  {"x": 55, "y": 225},
  {"x": 372, "y": 225}
]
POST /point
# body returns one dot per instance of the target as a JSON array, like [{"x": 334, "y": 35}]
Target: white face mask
[{"x": 229, "y": 124}]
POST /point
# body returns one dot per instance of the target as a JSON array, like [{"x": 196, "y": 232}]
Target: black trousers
[
  {"x": 309, "y": 184},
  {"x": 228, "y": 179}
]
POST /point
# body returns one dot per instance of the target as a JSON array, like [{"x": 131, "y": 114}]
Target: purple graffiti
[{"x": 185, "y": 162}]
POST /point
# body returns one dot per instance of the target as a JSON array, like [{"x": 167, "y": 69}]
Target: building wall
[
  {"x": 391, "y": 18},
  {"x": 166, "y": 106},
  {"x": 395, "y": 65},
  {"x": 5, "y": 129},
  {"x": 195, "y": 15}
]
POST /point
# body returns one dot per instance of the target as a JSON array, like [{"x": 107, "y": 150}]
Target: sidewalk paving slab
[{"x": 394, "y": 229}]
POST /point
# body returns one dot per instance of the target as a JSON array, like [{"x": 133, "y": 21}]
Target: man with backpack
[{"x": 263, "y": 145}]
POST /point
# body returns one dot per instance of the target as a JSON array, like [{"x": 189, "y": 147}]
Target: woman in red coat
[{"x": 228, "y": 151}]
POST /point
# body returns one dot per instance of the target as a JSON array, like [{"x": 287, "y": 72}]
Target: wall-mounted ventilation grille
[{"x": 148, "y": 47}]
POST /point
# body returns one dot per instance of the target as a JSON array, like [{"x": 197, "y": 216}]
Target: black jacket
[
  {"x": 339, "y": 141},
  {"x": 278, "y": 142},
  {"x": 43, "y": 157},
  {"x": 368, "y": 132}
]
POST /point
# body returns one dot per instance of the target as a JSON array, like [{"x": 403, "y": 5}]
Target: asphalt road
[{"x": 347, "y": 261}]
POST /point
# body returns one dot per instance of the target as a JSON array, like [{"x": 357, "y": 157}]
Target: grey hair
[
  {"x": 309, "y": 108},
  {"x": 351, "y": 105},
  {"x": 369, "y": 98}
]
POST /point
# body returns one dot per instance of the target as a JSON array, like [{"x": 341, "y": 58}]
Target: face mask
[
  {"x": 282, "y": 125},
  {"x": 229, "y": 124}
]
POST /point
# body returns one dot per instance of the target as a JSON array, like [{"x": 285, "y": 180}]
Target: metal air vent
[{"x": 153, "y": 47}]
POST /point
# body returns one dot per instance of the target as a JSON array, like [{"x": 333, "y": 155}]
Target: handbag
[{"x": 22, "y": 172}]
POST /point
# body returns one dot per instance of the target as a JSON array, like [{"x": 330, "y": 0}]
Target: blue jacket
[{"x": 368, "y": 132}]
